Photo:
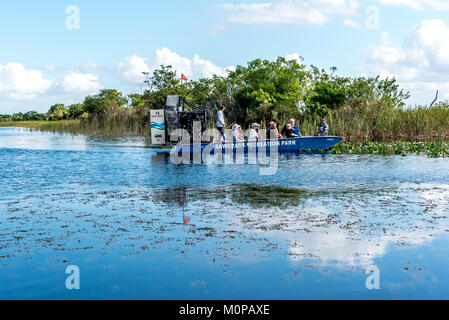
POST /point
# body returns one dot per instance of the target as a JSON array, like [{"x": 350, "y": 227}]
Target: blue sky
[{"x": 43, "y": 62}]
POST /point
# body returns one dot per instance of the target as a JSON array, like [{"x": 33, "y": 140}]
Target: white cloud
[
  {"x": 418, "y": 5},
  {"x": 351, "y": 23},
  {"x": 132, "y": 67},
  {"x": 299, "y": 12},
  {"x": 77, "y": 82},
  {"x": 385, "y": 52},
  {"x": 17, "y": 82},
  {"x": 206, "y": 68},
  {"x": 165, "y": 56},
  {"x": 293, "y": 56},
  {"x": 420, "y": 64}
]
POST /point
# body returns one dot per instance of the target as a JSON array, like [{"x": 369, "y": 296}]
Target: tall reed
[
  {"x": 356, "y": 123},
  {"x": 374, "y": 123}
]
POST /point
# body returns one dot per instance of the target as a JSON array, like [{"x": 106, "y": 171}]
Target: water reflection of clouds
[
  {"x": 436, "y": 201},
  {"x": 319, "y": 229},
  {"x": 354, "y": 236},
  {"x": 25, "y": 139},
  {"x": 342, "y": 230},
  {"x": 350, "y": 218}
]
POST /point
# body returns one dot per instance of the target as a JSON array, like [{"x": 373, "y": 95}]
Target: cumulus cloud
[
  {"x": 18, "y": 82},
  {"x": 77, "y": 82},
  {"x": 418, "y": 5},
  {"x": 132, "y": 68},
  {"x": 420, "y": 63},
  {"x": 298, "y": 12},
  {"x": 294, "y": 56},
  {"x": 207, "y": 69},
  {"x": 165, "y": 56},
  {"x": 313, "y": 12}
]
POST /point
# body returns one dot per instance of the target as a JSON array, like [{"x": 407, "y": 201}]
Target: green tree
[
  {"x": 162, "y": 83},
  {"x": 106, "y": 100},
  {"x": 58, "y": 112},
  {"x": 76, "y": 111},
  {"x": 136, "y": 100},
  {"x": 34, "y": 116},
  {"x": 268, "y": 90},
  {"x": 326, "y": 95}
]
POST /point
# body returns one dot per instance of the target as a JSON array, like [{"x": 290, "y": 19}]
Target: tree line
[{"x": 262, "y": 91}]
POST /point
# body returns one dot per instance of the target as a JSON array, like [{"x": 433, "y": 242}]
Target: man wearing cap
[{"x": 324, "y": 128}]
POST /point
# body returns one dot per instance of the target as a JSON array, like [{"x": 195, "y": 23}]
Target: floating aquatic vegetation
[
  {"x": 260, "y": 196},
  {"x": 256, "y": 196},
  {"x": 431, "y": 149}
]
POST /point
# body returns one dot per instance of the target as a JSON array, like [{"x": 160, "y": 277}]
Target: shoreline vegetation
[
  {"x": 370, "y": 113},
  {"x": 435, "y": 148},
  {"x": 109, "y": 129}
]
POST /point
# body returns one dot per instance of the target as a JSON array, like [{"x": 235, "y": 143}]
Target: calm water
[{"x": 139, "y": 227}]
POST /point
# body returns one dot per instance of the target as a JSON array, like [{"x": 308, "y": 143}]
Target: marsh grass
[
  {"x": 373, "y": 123},
  {"x": 112, "y": 127},
  {"x": 356, "y": 123}
]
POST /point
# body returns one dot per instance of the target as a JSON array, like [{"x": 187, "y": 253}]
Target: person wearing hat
[
  {"x": 254, "y": 134},
  {"x": 324, "y": 128},
  {"x": 273, "y": 131},
  {"x": 237, "y": 134}
]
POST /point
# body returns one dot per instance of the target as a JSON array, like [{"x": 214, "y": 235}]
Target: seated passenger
[
  {"x": 269, "y": 128},
  {"x": 237, "y": 135},
  {"x": 253, "y": 134},
  {"x": 288, "y": 132},
  {"x": 295, "y": 128},
  {"x": 273, "y": 132}
]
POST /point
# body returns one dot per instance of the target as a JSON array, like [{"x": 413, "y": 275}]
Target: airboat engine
[{"x": 165, "y": 122}]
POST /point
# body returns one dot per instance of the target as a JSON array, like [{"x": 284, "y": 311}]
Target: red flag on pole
[{"x": 183, "y": 77}]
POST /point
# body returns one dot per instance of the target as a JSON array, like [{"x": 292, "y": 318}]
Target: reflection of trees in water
[
  {"x": 256, "y": 196},
  {"x": 337, "y": 228},
  {"x": 260, "y": 196},
  {"x": 341, "y": 228},
  {"x": 172, "y": 197}
]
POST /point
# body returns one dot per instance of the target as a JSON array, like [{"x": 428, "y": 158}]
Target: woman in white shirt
[{"x": 253, "y": 134}]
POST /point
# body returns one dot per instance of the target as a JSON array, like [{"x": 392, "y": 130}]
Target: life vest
[{"x": 323, "y": 128}]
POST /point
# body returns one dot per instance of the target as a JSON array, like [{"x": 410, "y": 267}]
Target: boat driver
[{"x": 324, "y": 128}]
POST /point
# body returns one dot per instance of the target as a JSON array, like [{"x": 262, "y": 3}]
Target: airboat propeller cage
[{"x": 175, "y": 116}]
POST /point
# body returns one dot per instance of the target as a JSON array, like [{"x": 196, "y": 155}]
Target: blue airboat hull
[{"x": 281, "y": 146}]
